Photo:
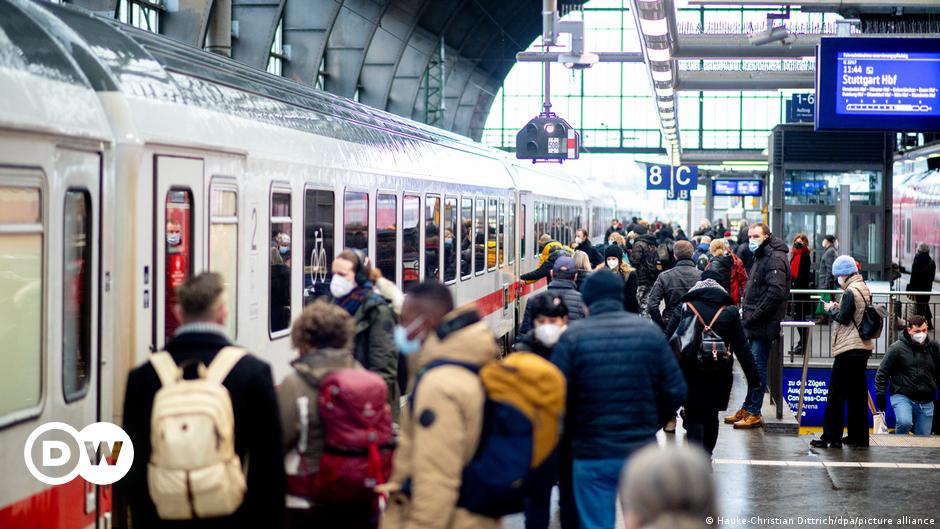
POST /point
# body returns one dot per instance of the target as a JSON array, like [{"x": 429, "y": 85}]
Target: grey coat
[
  {"x": 824, "y": 277},
  {"x": 670, "y": 286}
]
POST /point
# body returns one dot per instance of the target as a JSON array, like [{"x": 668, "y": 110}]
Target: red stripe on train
[
  {"x": 58, "y": 507},
  {"x": 493, "y": 302}
]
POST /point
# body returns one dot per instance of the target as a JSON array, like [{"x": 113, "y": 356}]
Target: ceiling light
[
  {"x": 666, "y": 104},
  {"x": 662, "y": 76},
  {"x": 654, "y": 28},
  {"x": 658, "y": 55},
  {"x": 665, "y": 92}
]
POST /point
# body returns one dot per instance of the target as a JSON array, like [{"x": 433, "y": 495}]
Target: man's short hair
[
  {"x": 197, "y": 297},
  {"x": 763, "y": 227},
  {"x": 544, "y": 238},
  {"x": 830, "y": 238},
  {"x": 433, "y": 292},
  {"x": 322, "y": 325},
  {"x": 916, "y": 321},
  {"x": 683, "y": 250}
]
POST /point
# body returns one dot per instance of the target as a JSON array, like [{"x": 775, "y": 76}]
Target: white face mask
[
  {"x": 549, "y": 333},
  {"x": 340, "y": 286},
  {"x": 578, "y": 240},
  {"x": 919, "y": 337},
  {"x": 613, "y": 264}
]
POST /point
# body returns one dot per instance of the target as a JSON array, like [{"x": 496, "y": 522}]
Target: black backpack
[
  {"x": 704, "y": 349},
  {"x": 873, "y": 318},
  {"x": 664, "y": 259}
]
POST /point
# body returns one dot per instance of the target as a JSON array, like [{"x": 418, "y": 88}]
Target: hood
[
  {"x": 715, "y": 296},
  {"x": 473, "y": 343},
  {"x": 315, "y": 365},
  {"x": 646, "y": 238},
  {"x": 772, "y": 244}
]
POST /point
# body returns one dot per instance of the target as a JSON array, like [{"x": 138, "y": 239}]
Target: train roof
[{"x": 44, "y": 87}]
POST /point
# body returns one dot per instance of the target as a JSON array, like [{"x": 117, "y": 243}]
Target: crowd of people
[{"x": 628, "y": 334}]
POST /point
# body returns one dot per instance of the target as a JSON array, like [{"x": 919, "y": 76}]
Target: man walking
[{"x": 672, "y": 284}]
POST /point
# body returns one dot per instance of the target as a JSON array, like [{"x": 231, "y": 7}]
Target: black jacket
[
  {"x": 913, "y": 369},
  {"x": 670, "y": 286},
  {"x": 623, "y": 381},
  {"x": 711, "y": 390},
  {"x": 566, "y": 289},
  {"x": 923, "y": 270},
  {"x": 767, "y": 291},
  {"x": 745, "y": 255},
  {"x": 643, "y": 259},
  {"x": 594, "y": 256},
  {"x": 527, "y": 343},
  {"x": 257, "y": 436},
  {"x": 547, "y": 265},
  {"x": 723, "y": 266}
]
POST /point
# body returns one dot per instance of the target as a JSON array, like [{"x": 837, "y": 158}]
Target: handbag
[
  {"x": 684, "y": 338},
  {"x": 879, "y": 426}
]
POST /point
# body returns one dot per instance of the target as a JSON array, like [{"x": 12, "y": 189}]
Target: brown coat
[
  {"x": 439, "y": 435},
  {"x": 845, "y": 337}
]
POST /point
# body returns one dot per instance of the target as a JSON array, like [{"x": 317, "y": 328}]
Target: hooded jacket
[
  {"x": 373, "y": 346},
  {"x": 623, "y": 381},
  {"x": 670, "y": 286},
  {"x": 913, "y": 369},
  {"x": 711, "y": 390},
  {"x": 767, "y": 291},
  {"x": 845, "y": 335},
  {"x": 440, "y": 432},
  {"x": 564, "y": 288}
]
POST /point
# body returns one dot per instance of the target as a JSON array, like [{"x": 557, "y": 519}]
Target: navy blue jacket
[{"x": 623, "y": 381}]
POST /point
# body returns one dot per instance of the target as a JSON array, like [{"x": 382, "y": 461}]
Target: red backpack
[
  {"x": 738, "y": 279},
  {"x": 357, "y": 447}
]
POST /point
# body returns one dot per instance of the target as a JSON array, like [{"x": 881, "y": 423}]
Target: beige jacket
[
  {"x": 845, "y": 337},
  {"x": 439, "y": 435}
]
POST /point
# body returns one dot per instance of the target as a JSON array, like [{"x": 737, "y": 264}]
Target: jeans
[
  {"x": 908, "y": 413},
  {"x": 595, "y": 491},
  {"x": 755, "y": 398}
]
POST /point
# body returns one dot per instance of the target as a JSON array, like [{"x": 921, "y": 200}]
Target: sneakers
[
  {"x": 741, "y": 414},
  {"x": 751, "y": 421},
  {"x": 670, "y": 426}
]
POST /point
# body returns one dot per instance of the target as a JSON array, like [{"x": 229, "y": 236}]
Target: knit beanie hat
[
  {"x": 844, "y": 265},
  {"x": 602, "y": 284},
  {"x": 614, "y": 250}
]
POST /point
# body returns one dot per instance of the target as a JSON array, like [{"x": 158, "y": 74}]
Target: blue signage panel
[
  {"x": 890, "y": 84},
  {"x": 666, "y": 178},
  {"x": 801, "y": 108},
  {"x": 658, "y": 177},
  {"x": 817, "y": 390},
  {"x": 749, "y": 188}
]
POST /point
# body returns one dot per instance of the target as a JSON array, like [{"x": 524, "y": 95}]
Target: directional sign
[
  {"x": 658, "y": 177},
  {"x": 678, "y": 194},
  {"x": 685, "y": 177},
  {"x": 665, "y": 178}
]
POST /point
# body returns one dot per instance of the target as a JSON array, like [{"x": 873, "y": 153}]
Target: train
[
  {"x": 915, "y": 211},
  {"x": 129, "y": 162}
]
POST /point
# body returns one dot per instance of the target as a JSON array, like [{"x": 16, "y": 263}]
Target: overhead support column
[
  {"x": 219, "y": 34},
  {"x": 739, "y": 47},
  {"x": 744, "y": 80}
]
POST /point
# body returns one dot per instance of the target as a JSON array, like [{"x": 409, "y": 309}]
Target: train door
[
  {"x": 523, "y": 249},
  {"x": 76, "y": 335},
  {"x": 178, "y": 236}
]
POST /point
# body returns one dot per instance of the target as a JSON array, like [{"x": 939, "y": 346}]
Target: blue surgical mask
[
  {"x": 173, "y": 239},
  {"x": 405, "y": 346},
  {"x": 753, "y": 245},
  {"x": 283, "y": 249}
]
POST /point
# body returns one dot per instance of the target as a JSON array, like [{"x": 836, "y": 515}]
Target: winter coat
[
  {"x": 722, "y": 265},
  {"x": 595, "y": 257},
  {"x": 824, "y": 278},
  {"x": 257, "y": 434},
  {"x": 528, "y": 343},
  {"x": 440, "y": 432},
  {"x": 374, "y": 347},
  {"x": 301, "y": 389},
  {"x": 630, "y": 302},
  {"x": 710, "y": 390},
  {"x": 610, "y": 231},
  {"x": 564, "y": 288},
  {"x": 767, "y": 291},
  {"x": 912, "y": 368},
  {"x": 550, "y": 253},
  {"x": 802, "y": 307},
  {"x": 923, "y": 271},
  {"x": 643, "y": 258},
  {"x": 746, "y": 256},
  {"x": 849, "y": 314},
  {"x": 670, "y": 286},
  {"x": 700, "y": 250},
  {"x": 623, "y": 381}
]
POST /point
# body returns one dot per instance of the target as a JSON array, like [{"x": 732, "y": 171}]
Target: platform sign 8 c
[{"x": 56, "y": 453}]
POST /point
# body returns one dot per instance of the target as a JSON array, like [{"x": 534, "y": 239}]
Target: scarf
[
  {"x": 798, "y": 255},
  {"x": 352, "y": 301}
]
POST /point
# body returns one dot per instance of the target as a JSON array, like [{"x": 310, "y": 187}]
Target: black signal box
[{"x": 548, "y": 138}]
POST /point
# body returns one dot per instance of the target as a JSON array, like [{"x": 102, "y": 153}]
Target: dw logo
[{"x": 101, "y": 453}]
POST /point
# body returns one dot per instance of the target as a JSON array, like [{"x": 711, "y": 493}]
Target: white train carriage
[{"x": 129, "y": 162}]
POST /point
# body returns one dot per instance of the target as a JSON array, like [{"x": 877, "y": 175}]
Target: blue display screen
[
  {"x": 804, "y": 187},
  {"x": 752, "y": 188},
  {"x": 889, "y": 84}
]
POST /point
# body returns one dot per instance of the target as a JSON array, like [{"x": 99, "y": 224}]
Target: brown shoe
[
  {"x": 741, "y": 414},
  {"x": 751, "y": 421},
  {"x": 670, "y": 426}
]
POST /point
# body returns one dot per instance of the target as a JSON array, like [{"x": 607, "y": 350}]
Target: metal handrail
[{"x": 874, "y": 292}]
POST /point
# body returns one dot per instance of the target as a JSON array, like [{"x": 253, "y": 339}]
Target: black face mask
[{"x": 797, "y": 245}]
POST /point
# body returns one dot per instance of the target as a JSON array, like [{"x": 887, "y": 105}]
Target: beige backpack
[{"x": 194, "y": 471}]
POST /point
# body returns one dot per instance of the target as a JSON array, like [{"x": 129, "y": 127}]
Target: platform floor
[{"x": 784, "y": 482}]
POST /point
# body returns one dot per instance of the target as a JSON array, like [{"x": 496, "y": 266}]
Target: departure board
[{"x": 890, "y": 84}]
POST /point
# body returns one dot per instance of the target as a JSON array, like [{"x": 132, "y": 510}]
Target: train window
[
  {"x": 76, "y": 291},
  {"x": 280, "y": 257},
  {"x": 386, "y": 235},
  {"x": 178, "y": 248},
  {"x": 479, "y": 238},
  {"x": 522, "y": 212},
  {"x": 492, "y": 235},
  {"x": 410, "y": 241},
  {"x": 21, "y": 276},
  {"x": 466, "y": 238},
  {"x": 501, "y": 234},
  {"x": 223, "y": 248},
  {"x": 512, "y": 231},
  {"x": 450, "y": 239},
  {"x": 319, "y": 212},
  {"x": 356, "y": 223},
  {"x": 432, "y": 237}
]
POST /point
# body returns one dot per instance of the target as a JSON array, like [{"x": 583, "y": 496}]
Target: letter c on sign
[{"x": 680, "y": 179}]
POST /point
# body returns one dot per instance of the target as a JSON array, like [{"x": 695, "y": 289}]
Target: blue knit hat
[
  {"x": 844, "y": 265},
  {"x": 600, "y": 285}
]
